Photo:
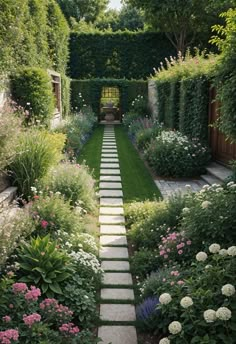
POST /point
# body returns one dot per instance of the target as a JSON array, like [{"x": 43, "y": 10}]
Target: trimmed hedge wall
[
  {"x": 130, "y": 55},
  {"x": 91, "y": 91}
]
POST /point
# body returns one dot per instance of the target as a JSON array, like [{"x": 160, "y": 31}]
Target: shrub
[
  {"x": 144, "y": 137},
  {"x": 36, "y": 152},
  {"x": 44, "y": 265},
  {"x": 32, "y": 89},
  {"x": 140, "y": 106},
  {"x": 147, "y": 313},
  {"x": 138, "y": 211},
  {"x": 130, "y": 117},
  {"x": 210, "y": 215},
  {"x": 75, "y": 183},
  {"x": 53, "y": 215},
  {"x": 144, "y": 262},
  {"x": 174, "y": 155}
]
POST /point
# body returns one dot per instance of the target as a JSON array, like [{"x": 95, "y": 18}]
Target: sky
[{"x": 115, "y": 4}]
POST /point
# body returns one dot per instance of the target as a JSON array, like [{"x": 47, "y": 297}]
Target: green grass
[
  {"x": 91, "y": 152},
  {"x": 137, "y": 182}
]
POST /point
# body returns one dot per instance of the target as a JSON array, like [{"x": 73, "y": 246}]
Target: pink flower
[
  {"x": 172, "y": 283},
  {"x": 6, "y": 318},
  {"x": 168, "y": 250},
  {"x": 44, "y": 224},
  {"x": 162, "y": 252},
  {"x": 69, "y": 329},
  {"x": 11, "y": 306},
  {"x": 19, "y": 288},
  {"x": 166, "y": 256},
  {"x": 189, "y": 242},
  {"x": 180, "y": 282},
  {"x": 29, "y": 320},
  {"x": 33, "y": 294},
  {"x": 164, "y": 280},
  {"x": 6, "y": 336},
  {"x": 180, "y": 252}
]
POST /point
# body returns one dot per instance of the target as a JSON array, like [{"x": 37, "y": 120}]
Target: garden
[{"x": 56, "y": 59}]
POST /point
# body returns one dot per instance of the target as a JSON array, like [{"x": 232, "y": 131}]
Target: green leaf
[{"x": 55, "y": 288}]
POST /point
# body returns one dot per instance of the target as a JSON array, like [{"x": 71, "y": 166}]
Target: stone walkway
[
  {"x": 117, "y": 292},
  {"x": 171, "y": 187}
]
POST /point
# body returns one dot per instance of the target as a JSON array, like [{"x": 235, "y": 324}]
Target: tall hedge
[
  {"x": 131, "y": 55},
  {"x": 91, "y": 91}
]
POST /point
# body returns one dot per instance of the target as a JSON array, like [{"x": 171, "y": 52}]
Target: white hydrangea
[
  {"x": 165, "y": 298},
  {"x": 175, "y": 327},
  {"x": 214, "y": 248},
  {"x": 201, "y": 256},
  {"x": 205, "y": 204},
  {"x": 209, "y": 266},
  {"x": 232, "y": 251},
  {"x": 228, "y": 290},
  {"x": 186, "y": 210},
  {"x": 230, "y": 183},
  {"x": 209, "y": 315},
  {"x": 223, "y": 313},
  {"x": 223, "y": 252},
  {"x": 186, "y": 302},
  {"x": 164, "y": 341}
]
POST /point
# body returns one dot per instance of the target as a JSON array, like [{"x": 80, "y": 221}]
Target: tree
[
  {"x": 88, "y": 10},
  {"x": 181, "y": 20}
]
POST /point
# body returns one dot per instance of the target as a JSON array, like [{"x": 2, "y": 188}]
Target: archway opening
[{"x": 110, "y": 104}]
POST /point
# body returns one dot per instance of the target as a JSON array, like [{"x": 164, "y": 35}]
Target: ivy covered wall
[{"x": 131, "y": 55}]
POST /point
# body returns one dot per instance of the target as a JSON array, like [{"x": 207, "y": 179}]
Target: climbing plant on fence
[
  {"x": 91, "y": 91},
  {"x": 131, "y": 55}
]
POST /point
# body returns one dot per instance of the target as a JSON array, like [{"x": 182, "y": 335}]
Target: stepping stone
[
  {"x": 116, "y": 160},
  {"x": 110, "y": 179},
  {"x": 109, "y": 172},
  {"x": 108, "y": 155},
  {"x": 110, "y": 185},
  {"x": 113, "y": 252},
  {"x": 109, "y": 165},
  {"x": 113, "y": 240},
  {"x": 117, "y": 294},
  {"x": 109, "y": 202},
  {"x": 109, "y": 140},
  {"x": 115, "y": 265},
  {"x": 111, "y": 193},
  {"x": 112, "y": 229},
  {"x": 116, "y": 278},
  {"x": 109, "y": 150},
  {"x": 117, "y": 335},
  {"x": 111, "y": 219},
  {"x": 116, "y": 312},
  {"x": 111, "y": 211}
]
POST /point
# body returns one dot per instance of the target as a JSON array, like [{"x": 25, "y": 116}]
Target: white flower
[
  {"x": 223, "y": 313},
  {"x": 186, "y": 210},
  {"x": 205, "y": 204},
  {"x": 165, "y": 299},
  {"x": 232, "y": 251},
  {"x": 233, "y": 186},
  {"x": 223, "y": 252},
  {"x": 214, "y": 248},
  {"x": 164, "y": 341},
  {"x": 228, "y": 290},
  {"x": 186, "y": 302},
  {"x": 209, "y": 266},
  {"x": 201, "y": 256},
  {"x": 209, "y": 315},
  {"x": 175, "y": 327},
  {"x": 230, "y": 183},
  {"x": 206, "y": 187}
]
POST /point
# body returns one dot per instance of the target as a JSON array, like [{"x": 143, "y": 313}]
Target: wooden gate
[{"x": 222, "y": 150}]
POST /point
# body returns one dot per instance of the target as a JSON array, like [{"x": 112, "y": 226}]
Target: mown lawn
[{"x": 138, "y": 184}]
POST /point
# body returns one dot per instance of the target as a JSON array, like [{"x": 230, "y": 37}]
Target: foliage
[
  {"x": 116, "y": 54},
  {"x": 144, "y": 136},
  {"x": 147, "y": 313},
  {"x": 139, "y": 211},
  {"x": 225, "y": 78},
  {"x": 91, "y": 92},
  {"x": 172, "y": 154},
  {"x": 143, "y": 262},
  {"x": 10, "y": 127},
  {"x": 210, "y": 215},
  {"x": 182, "y": 21},
  {"x": 44, "y": 265},
  {"x": 31, "y": 88},
  {"x": 65, "y": 95},
  {"x": 36, "y": 152},
  {"x": 53, "y": 215},
  {"x": 75, "y": 183}
]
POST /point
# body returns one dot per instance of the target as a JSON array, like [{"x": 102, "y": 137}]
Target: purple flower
[{"x": 148, "y": 308}]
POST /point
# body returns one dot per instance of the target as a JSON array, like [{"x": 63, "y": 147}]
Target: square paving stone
[
  {"x": 116, "y": 160},
  {"x": 116, "y": 278},
  {"x": 111, "y": 193},
  {"x": 109, "y": 202},
  {"x": 115, "y": 265},
  {"x": 113, "y": 240},
  {"x": 109, "y": 165},
  {"x": 111, "y": 219},
  {"x": 110, "y": 178},
  {"x": 116, "y": 312},
  {"x": 111, "y": 211},
  {"x": 117, "y": 294},
  {"x": 117, "y": 335},
  {"x": 112, "y": 229},
  {"x": 113, "y": 252},
  {"x": 110, "y": 185}
]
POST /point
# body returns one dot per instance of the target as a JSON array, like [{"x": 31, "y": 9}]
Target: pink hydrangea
[
  {"x": 6, "y": 319},
  {"x": 180, "y": 282},
  {"x": 44, "y": 224},
  {"x": 189, "y": 242},
  {"x": 8, "y": 335},
  {"x": 180, "y": 252},
  {"x": 19, "y": 288},
  {"x": 69, "y": 329},
  {"x": 29, "y": 320},
  {"x": 162, "y": 252},
  {"x": 33, "y": 294}
]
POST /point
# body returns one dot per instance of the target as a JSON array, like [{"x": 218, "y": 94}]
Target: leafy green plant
[
  {"x": 174, "y": 155},
  {"x": 36, "y": 152},
  {"x": 136, "y": 212},
  {"x": 143, "y": 262},
  {"x": 44, "y": 265}
]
